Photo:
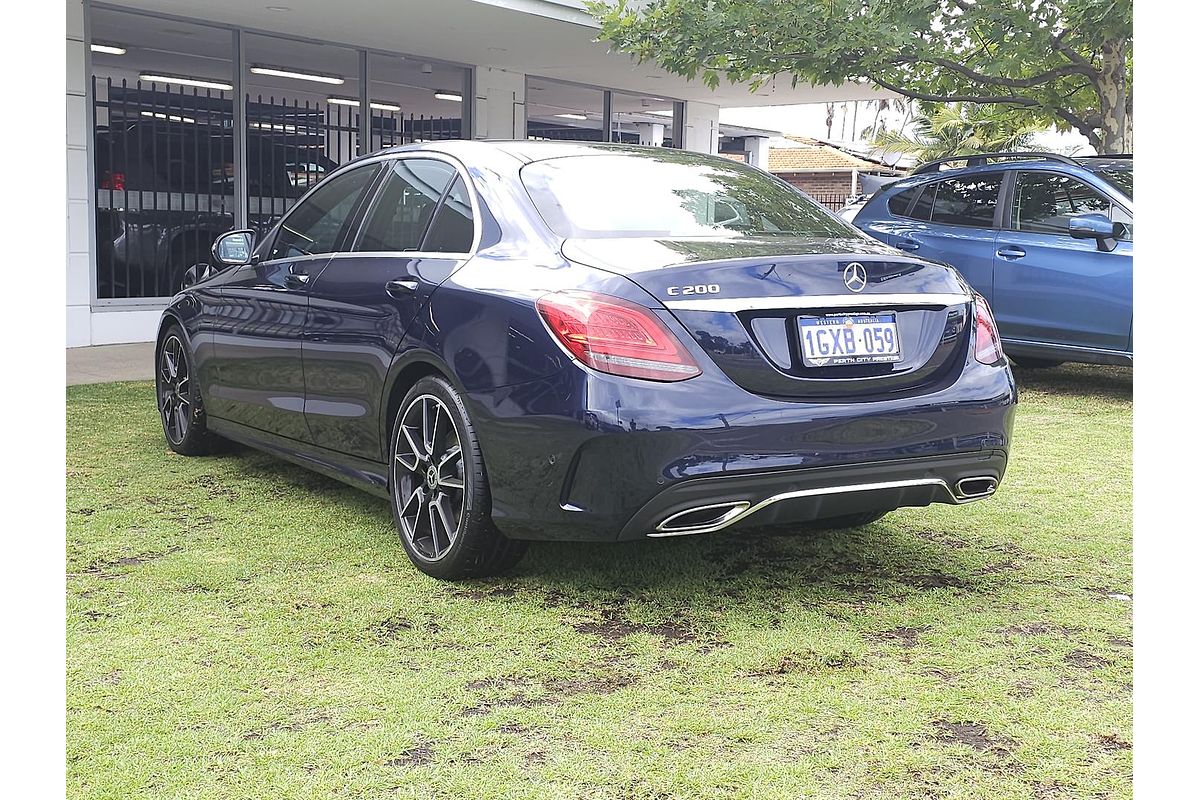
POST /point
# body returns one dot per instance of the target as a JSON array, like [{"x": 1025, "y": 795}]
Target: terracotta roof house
[{"x": 828, "y": 174}]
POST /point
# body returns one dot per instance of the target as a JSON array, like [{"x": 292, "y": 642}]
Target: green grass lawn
[{"x": 239, "y": 627}]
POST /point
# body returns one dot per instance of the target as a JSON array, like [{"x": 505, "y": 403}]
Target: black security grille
[
  {"x": 165, "y": 174},
  {"x": 162, "y": 193}
]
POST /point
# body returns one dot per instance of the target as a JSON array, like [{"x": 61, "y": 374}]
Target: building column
[
  {"x": 80, "y": 197},
  {"x": 499, "y": 110},
  {"x": 650, "y": 133},
  {"x": 757, "y": 148},
  {"x": 702, "y": 132}
]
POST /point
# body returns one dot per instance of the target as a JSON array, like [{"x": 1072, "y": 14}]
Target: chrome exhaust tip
[
  {"x": 975, "y": 487},
  {"x": 701, "y": 519}
]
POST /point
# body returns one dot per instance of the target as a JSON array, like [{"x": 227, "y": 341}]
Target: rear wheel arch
[{"x": 405, "y": 372}]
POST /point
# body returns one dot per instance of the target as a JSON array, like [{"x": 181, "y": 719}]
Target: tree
[
  {"x": 1067, "y": 63},
  {"x": 957, "y": 129}
]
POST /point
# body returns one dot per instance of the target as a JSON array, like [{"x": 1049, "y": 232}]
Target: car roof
[{"x": 1082, "y": 166}]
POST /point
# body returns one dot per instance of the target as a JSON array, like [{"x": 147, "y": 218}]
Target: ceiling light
[
  {"x": 451, "y": 96},
  {"x": 202, "y": 83},
  {"x": 267, "y": 126},
  {"x": 171, "y": 118},
  {"x": 347, "y": 101},
  {"x": 427, "y": 68},
  {"x": 280, "y": 72},
  {"x": 278, "y": 8},
  {"x": 572, "y": 116},
  {"x": 111, "y": 49}
]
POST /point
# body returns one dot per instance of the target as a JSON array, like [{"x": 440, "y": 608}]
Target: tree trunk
[{"x": 1116, "y": 121}]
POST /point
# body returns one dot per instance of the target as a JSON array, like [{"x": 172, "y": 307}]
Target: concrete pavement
[{"x": 109, "y": 363}]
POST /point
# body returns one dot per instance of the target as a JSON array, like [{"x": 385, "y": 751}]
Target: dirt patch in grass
[
  {"x": 613, "y": 626},
  {"x": 418, "y": 755},
  {"x": 805, "y": 661},
  {"x": 900, "y": 637},
  {"x": 1085, "y": 660},
  {"x": 1037, "y": 629},
  {"x": 1111, "y": 743},
  {"x": 973, "y": 735},
  {"x": 107, "y": 568}
]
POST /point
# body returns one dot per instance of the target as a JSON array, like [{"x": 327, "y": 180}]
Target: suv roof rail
[{"x": 981, "y": 159}]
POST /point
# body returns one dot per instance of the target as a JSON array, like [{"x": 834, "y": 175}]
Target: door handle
[
  {"x": 401, "y": 286},
  {"x": 297, "y": 280},
  {"x": 907, "y": 244},
  {"x": 1011, "y": 252}
]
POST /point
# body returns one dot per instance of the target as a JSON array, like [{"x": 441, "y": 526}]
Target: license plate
[{"x": 850, "y": 339}]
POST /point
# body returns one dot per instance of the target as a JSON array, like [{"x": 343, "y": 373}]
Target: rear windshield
[{"x": 668, "y": 194}]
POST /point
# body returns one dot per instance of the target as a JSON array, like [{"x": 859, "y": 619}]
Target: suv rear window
[{"x": 668, "y": 194}]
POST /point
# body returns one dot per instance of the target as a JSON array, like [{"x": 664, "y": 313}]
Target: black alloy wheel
[
  {"x": 440, "y": 498},
  {"x": 178, "y": 397}
]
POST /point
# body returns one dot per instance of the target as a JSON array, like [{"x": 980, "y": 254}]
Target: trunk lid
[{"x": 743, "y": 299}]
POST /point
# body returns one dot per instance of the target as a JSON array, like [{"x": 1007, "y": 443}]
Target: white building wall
[
  {"x": 701, "y": 129},
  {"x": 80, "y": 211}
]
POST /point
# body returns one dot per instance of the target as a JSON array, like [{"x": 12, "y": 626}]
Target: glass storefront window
[
  {"x": 563, "y": 111},
  {"x": 415, "y": 100},
  {"x": 297, "y": 131},
  {"x": 163, "y": 144},
  {"x": 639, "y": 119}
]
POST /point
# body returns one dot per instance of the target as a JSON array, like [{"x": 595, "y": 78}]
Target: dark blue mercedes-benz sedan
[{"x": 525, "y": 340}]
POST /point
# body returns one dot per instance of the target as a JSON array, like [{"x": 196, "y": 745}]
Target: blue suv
[{"x": 1047, "y": 239}]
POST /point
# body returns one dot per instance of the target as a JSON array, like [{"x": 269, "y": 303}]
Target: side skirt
[
  {"x": 359, "y": 473},
  {"x": 1064, "y": 352}
]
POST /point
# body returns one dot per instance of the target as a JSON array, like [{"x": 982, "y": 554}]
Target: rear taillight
[
  {"x": 112, "y": 180},
  {"x": 987, "y": 338},
  {"x": 615, "y": 336}
]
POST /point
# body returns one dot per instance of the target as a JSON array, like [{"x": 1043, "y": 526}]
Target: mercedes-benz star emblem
[{"x": 855, "y": 276}]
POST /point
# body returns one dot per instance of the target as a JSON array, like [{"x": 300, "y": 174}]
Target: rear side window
[
  {"x": 968, "y": 201},
  {"x": 1044, "y": 202},
  {"x": 899, "y": 203},
  {"x": 924, "y": 204},
  {"x": 410, "y": 195},
  {"x": 453, "y": 229},
  {"x": 314, "y": 226}
]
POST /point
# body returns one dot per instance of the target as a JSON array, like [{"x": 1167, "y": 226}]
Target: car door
[
  {"x": 1051, "y": 288},
  {"x": 419, "y": 228},
  {"x": 955, "y": 220},
  {"x": 257, "y": 374}
]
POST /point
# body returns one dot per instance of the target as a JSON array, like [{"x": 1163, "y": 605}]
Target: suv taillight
[
  {"x": 113, "y": 180},
  {"x": 987, "y": 337},
  {"x": 616, "y": 336}
]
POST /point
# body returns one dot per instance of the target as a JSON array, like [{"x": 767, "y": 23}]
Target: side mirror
[
  {"x": 233, "y": 248},
  {"x": 1098, "y": 227}
]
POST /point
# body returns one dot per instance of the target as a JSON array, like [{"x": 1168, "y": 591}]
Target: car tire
[
  {"x": 1025, "y": 362},
  {"x": 178, "y": 393},
  {"x": 441, "y": 503},
  {"x": 846, "y": 521}
]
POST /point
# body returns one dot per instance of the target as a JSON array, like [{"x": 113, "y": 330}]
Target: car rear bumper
[
  {"x": 590, "y": 457},
  {"x": 706, "y": 505}
]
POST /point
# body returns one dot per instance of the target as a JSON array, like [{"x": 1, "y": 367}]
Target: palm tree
[{"x": 958, "y": 129}]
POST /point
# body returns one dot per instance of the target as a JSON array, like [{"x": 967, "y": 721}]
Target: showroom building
[{"x": 187, "y": 119}]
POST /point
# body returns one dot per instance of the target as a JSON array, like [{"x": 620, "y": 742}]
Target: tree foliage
[
  {"x": 1063, "y": 62},
  {"x": 942, "y": 130}
]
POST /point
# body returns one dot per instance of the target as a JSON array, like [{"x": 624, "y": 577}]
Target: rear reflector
[
  {"x": 987, "y": 337},
  {"x": 616, "y": 336}
]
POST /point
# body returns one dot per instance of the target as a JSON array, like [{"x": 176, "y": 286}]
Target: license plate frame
[{"x": 849, "y": 339}]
